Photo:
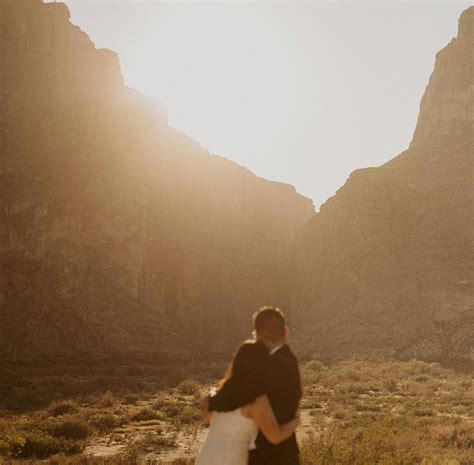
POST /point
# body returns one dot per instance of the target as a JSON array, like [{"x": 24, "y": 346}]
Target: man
[{"x": 281, "y": 383}]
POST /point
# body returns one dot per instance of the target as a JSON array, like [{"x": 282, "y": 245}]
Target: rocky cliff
[
  {"x": 386, "y": 266},
  {"x": 119, "y": 234}
]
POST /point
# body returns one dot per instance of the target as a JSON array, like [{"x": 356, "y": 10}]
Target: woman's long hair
[
  {"x": 227, "y": 374},
  {"x": 247, "y": 370}
]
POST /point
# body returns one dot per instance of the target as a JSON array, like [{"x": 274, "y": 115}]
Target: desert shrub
[
  {"x": 71, "y": 429},
  {"x": 462, "y": 439},
  {"x": 312, "y": 403},
  {"x": 424, "y": 412},
  {"x": 107, "y": 400},
  {"x": 40, "y": 444},
  {"x": 462, "y": 409},
  {"x": 106, "y": 421},
  {"x": 188, "y": 387},
  {"x": 445, "y": 435},
  {"x": 390, "y": 385},
  {"x": 339, "y": 415},
  {"x": 173, "y": 410},
  {"x": 63, "y": 407},
  {"x": 153, "y": 441},
  {"x": 353, "y": 375},
  {"x": 422, "y": 378},
  {"x": 368, "y": 408},
  {"x": 371, "y": 445},
  {"x": 131, "y": 399},
  {"x": 353, "y": 388},
  {"x": 145, "y": 414},
  {"x": 465, "y": 384},
  {"x": 309, "y": 376},
  {"x": 189, "y": 414},
  {"x": 159, "y": 403},
  {"x": 11, "y": 443}
]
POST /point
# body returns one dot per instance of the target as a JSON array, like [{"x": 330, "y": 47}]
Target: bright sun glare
[
  {"x": 296, "y": 92},
  {"x": 218, "y": 65}
]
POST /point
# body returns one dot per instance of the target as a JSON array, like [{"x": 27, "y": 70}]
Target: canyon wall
[
  {"x": 386, "y": 266},
  {"x": 119, "y": 234}
]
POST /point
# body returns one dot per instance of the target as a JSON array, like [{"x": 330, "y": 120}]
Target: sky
[{"x": 298, "y": 92}]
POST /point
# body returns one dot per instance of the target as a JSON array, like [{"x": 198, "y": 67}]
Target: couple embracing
[{"x": 254, "y": 414}]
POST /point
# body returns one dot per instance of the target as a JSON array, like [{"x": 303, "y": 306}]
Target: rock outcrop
[
  {"x": 386, "y": 266},
  {"x": 119, "y": 234}
]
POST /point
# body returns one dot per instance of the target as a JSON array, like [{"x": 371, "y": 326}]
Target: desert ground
[{"x": 358, "y": 412}]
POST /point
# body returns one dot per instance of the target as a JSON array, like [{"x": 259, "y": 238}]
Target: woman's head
[
  {"x": 247, "y": 368},
  {"x": 248, "y": 359}
]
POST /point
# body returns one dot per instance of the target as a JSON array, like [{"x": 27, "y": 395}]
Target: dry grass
[
  {"x": 361, "y": 412},
  {"x": 387, "y": 412}
]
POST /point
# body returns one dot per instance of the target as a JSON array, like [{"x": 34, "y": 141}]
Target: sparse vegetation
[
  {"x": 387, "y": 412},
  {"x": 357, "y": 412},
  {"x": 144, "y": 414}
]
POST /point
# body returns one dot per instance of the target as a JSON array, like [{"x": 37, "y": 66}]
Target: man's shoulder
[
  {"x": 284, "y": 374},
  {"x": 284, "y": 360},
  {"x": 286, "y": 353},
  {"x": 254, "y": 348},
  {"x": 251, "y": 344}
]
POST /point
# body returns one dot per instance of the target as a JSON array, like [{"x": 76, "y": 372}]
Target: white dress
[{"x": 228, "y": 439}]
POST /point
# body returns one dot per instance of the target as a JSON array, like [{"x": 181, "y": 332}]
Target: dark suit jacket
[{"x": 281, "y": 382}]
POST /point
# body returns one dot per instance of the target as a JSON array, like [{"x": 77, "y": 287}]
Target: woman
[{"x": 231, "y": 433}]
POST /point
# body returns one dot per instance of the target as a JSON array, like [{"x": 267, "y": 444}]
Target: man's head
[{"x": 270, "y": 327}]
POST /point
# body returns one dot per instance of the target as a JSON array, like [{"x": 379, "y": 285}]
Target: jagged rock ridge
[
  {"x": 119, "y": 234},
  {"x": 386, "y": 266}
]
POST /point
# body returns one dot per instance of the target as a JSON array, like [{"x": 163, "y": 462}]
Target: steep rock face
[
  {"x": 119, "y": 234},
  {"x": 386, "y": 266},
  {"x": 446, "y": 108}
]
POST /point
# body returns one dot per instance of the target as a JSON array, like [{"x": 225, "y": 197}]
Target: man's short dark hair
[{"x": 269, "y": 322}]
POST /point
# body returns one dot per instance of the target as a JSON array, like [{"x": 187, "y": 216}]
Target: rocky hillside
[
  {"x": 119, "y": 234},
  {"x": 386, "y": 266}
]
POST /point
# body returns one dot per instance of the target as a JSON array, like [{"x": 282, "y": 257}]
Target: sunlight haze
[{"x": 302, "y": 93}]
